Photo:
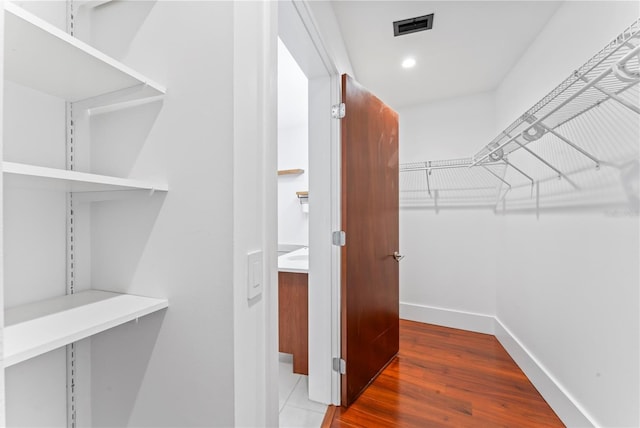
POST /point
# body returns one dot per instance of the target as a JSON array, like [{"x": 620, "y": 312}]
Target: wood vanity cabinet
[{"x": 293, "y": 318}]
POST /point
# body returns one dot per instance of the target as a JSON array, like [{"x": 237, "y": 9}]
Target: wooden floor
[{"x": 445, "y": 377}]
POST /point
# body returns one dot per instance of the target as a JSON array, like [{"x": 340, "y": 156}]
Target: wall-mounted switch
[{"x": 254, "y": 274}]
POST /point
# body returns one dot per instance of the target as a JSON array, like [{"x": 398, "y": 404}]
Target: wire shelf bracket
[{"x": 594, "y": 113}]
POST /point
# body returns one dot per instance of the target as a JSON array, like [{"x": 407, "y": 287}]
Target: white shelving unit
[
  {"x": 42, "y": 57},
  {"x": 40, "y": 327}
]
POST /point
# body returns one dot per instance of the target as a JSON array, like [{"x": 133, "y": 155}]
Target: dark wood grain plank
[{"x": 445, "y": 377}]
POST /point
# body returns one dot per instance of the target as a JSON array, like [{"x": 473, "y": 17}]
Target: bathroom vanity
[{"x": 293, "y": 307}]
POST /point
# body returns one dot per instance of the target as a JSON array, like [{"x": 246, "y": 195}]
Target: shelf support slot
[{"x": 70, "y": 250}]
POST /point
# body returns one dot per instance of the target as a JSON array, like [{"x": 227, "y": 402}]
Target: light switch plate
[{"x": 254, "y": 274}]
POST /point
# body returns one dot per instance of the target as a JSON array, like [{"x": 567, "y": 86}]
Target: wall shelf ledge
[
  {"x": 18, "y": 175},
  {"x": 40, "y": 327}
]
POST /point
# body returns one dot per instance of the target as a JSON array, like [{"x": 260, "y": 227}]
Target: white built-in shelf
[
  {"x": 18, "y": 175},
  {"x": 43, "y": 57},
  {"x": 36, "y": 328}
]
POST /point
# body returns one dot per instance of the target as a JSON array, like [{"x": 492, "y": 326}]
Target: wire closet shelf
[{"x": 578, "y": 145}]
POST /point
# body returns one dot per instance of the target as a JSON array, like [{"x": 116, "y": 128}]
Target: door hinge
[
  {"x": 339, "y": 365},
  {"x": 339, "y": 238},
  {"x": 338, "y": 111}
]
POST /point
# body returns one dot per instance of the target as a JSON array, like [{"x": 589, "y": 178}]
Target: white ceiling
[{"x": 472, "y": 45}]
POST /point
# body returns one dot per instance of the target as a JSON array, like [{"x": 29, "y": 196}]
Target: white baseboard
[
  {"x": 571, "y": 414},
  {"x": 469, "y": 321}
]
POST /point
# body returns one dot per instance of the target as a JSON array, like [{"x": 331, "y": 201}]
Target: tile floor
[{"x": 296, "y": 410}]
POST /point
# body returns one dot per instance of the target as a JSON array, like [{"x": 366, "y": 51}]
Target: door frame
[{"x": 300, "y": 33}]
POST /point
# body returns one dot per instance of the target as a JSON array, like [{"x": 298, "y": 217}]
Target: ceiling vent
[{"x": 413, "y": 25}]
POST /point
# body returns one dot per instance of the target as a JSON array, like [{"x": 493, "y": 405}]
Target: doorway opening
[{"x": 300, "y": 37}]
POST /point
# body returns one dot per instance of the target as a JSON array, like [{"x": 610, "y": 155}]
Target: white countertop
[{"x": 296, "y": 261}]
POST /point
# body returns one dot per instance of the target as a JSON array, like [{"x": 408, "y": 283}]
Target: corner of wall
[
  {"x": 560, "y": 400},
  {"x": 479, "y": 323}
]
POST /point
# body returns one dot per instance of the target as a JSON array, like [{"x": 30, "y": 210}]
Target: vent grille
[{"x": 413, "y": 25}]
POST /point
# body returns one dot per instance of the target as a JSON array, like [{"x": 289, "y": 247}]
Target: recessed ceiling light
[{"x": 408, "y": 63}]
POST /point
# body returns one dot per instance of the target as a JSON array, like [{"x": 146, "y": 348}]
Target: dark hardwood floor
[{"x": 445, "y": 377}]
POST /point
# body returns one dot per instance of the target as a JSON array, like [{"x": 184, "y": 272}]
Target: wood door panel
[
  {"x": 293, "y": 318},
  {"x": 370, "y": 297}
]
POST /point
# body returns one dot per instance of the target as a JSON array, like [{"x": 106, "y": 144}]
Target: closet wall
[
  {"x": 293, "y": 149},
  {"x": 568, "y": 283},
  {"x": 447, "y": 267},
  {"x": 563, "y": 288},
  {"x": 166, "y": 372},
  {"x": 178, "y": 367}
]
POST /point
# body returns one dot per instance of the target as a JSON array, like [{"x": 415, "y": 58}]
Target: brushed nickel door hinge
[
  {"x": 338, "y": 111},
  {"x": 339, "y": 365},
  {"x": 339, "y": 238}
]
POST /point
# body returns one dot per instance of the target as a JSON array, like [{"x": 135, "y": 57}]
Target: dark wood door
[{"x": 370, "y": 297}]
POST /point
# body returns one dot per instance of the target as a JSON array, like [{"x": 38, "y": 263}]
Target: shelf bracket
[
  {"x": 612, "y": 95},
  {"x": 502, "y": 181},
  {"x": 510, "y": 164},
  {"x": 576, "y": 147},
  {"x": 493, "y": 150},
  {"x": 620, "y": 67},
  {"x": 108, "y": 108},
  {"x": 427, "y": 172},
  {"x": 496, "y": 176},
  {"x": 535, "y": 155},
  {"x": 121, "y": 98}
]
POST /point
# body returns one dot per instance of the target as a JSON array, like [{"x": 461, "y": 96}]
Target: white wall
[
  {"x": 174, "y": 368},
  {"x": 2, "y": 374},
  {"x": 293, "y": 149},
  {"x": 447, "y": 264},
  {"x": 576, "y": 32},
  {"x": 293, "y": 152},
  {"x": 568, "y": 283},
  {"x": 255, "y": 213}
]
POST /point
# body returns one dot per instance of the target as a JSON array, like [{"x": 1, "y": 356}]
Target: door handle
[{"x": 397, "y": 256}]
